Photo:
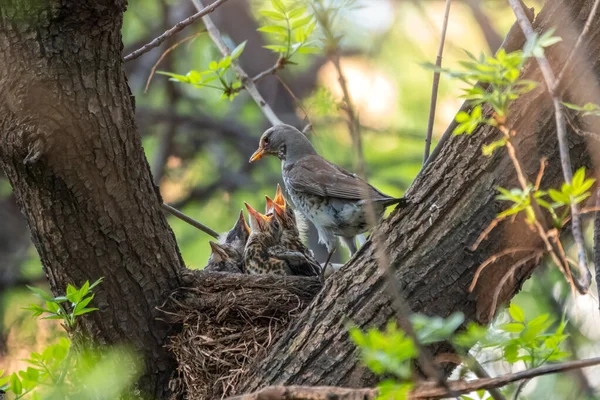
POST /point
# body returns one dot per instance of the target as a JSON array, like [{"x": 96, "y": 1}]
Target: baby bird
[
  {"x": 264, "y": 253},
  {"x": 227, "y": 256},
  {"x": 290, "y": 235}
]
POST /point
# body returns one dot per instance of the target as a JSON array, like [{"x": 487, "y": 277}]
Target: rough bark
[
  {"x": 70, "y": 148},
  {"x": 428, "y": 243}
]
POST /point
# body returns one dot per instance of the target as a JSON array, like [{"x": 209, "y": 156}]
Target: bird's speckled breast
[{"x": 341, "y": 217}]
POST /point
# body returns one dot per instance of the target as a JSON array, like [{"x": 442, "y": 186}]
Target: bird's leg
[
  {"x": 350, "y": 243},
  {"x": 325, "y": 265}
]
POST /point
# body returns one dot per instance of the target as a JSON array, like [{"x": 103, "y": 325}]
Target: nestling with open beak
[
  {"x": 227, "y": 255},
  {"x": 264, "y": 253},
  {"x": 290, "y": 235},
  {"x": 337, "y": 202}
]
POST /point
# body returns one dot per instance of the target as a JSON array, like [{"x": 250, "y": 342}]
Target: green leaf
[
  {"x": 299, "y": 35},
  {"x": 489, "y": 149},
  {"x": 278, "y": 5},
  {"x": 516, "y": 313},
  {"x": 238, "y": 50},
  {"x": 15, "y": 385},
  {"x": 572, "y": 106},
  {"x": 93, "y": 285},
  {"x": 559, "y": 197},
  {"x": 175, "y": 77},
  {"x": 40, "y": 293},
  {"x": 302, "y": 21},
  {"x": 85, "y": 311},
  {"x": 273, "y": 29},
  {"x": 276, "y": 48},
  {"x": 35, "y": 309},
  {"x": 213, "y": 66},
  {"x": 578, "y": 177},
  {"x": 513, "y": 327},
  {"x": 53, "y": 307},
  {"x": 296, "y": 12},
  {"x": 81, "y": 305},
  {"x": 309, "y": 50},
  {"x": 274, "y": 15}
]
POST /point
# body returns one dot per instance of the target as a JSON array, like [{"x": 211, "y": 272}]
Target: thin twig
[
  {"x": 248, "y": 83},
  {"x": 298, "y": 102},
  {"x": 480, "y": 372},
  {"x": 597, "y": 240},
  {"x": 422, "y": 390},
  {"x": 177, "y": 28},
  {"x": 436, "y": 83},
  {"x": 189, "y": 220},
  {"x": 353, "y": 122},
  {"x": 163, "y": 55},
  {"x": 519, "y": 389},
  {"x": 584, "y": 275},
  {"x": 578, "y": 43},
  {"x": 493, "y": 259}
]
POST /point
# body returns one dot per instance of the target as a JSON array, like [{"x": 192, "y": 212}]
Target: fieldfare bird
[
  {"x": 337, "y": 202},
  {"x": 227, "y": 255},
  {"x": 264, "y": 253}
]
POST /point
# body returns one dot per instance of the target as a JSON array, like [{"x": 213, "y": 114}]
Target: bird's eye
[{"x": 266, "y": 140}]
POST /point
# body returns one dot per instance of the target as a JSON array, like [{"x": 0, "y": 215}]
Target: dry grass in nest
[{"x": 228, "y": 320}]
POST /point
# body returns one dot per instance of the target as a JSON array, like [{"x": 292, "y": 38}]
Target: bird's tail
[{"x": 400, "y": 201}]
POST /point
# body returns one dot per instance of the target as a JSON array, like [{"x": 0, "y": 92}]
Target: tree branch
[
  {"x": 248, "y": 83},
  {"x": 436, "y": 83},
  {"x": 177, "y": 28},
  {"x": 422, "y": 390},
  {"x": 189, "y": 220},
  {"x": 584, "y": 276}
]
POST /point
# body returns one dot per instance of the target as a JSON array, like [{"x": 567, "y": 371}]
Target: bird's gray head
[{"x": 285, "y": 142}]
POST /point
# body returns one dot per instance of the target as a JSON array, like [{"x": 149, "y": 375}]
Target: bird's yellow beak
[
  {"x": 258, "y": 154},
  {"x": 259, "y": 218},
  {"x": 279, "y": 200}
]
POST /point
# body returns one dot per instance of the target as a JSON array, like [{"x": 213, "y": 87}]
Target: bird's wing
[{"x": 317, "y": 176}]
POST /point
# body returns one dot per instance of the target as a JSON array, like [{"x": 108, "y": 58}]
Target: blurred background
[{"x": 198, "y": 145}]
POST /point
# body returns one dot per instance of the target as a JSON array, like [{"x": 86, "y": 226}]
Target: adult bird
[
  {"x": 227, "y": 255},
  {"x": 337, "y": 202}
]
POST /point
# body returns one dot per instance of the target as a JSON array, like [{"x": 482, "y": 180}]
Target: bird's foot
[{"x": 323, "y": 277}]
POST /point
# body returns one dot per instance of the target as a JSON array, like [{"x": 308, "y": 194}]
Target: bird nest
[{"x": 228, "y": 320}]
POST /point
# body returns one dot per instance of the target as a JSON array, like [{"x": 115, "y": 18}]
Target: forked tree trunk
[
  {"x": 69, "y": 145},
  {"x": 428, "y": 243},
  {"x": 70, "y": 148}
]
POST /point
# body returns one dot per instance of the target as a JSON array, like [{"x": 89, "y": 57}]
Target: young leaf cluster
[
  {"x": 391, "y": 353},
  {"x": 531, "y": 342},
  {"x": 59, "y": 372},
  {"x": 289, "y": 29},
  {"x": 215, "y": 77},
  {"x": 66, "y": 308},
  {"x": 556, "y": 202},
  {"x": 501, "y": 75}
]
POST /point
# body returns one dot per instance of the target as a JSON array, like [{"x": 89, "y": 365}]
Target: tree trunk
[
  {"x": 427, "y": 244},
  {"x": 70, "y": 148}
]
